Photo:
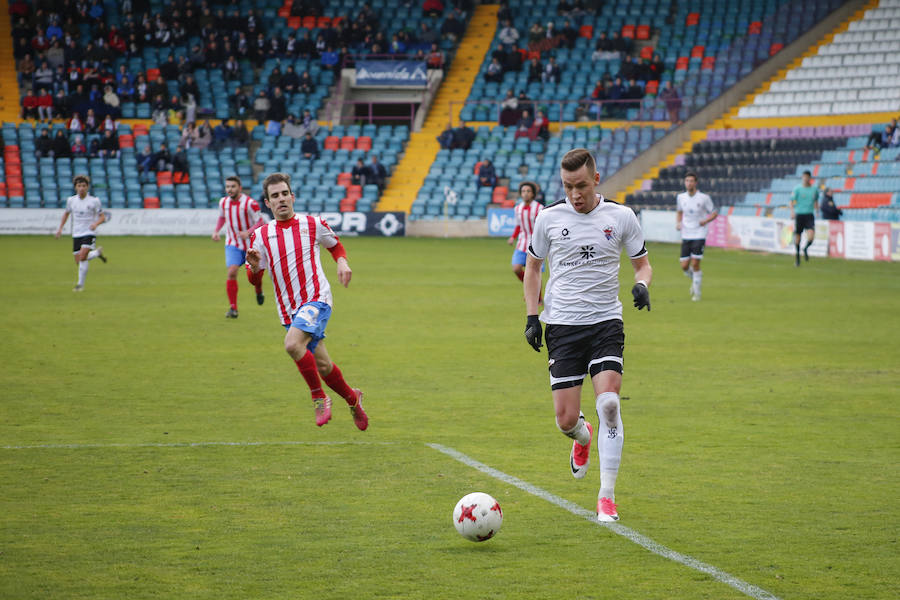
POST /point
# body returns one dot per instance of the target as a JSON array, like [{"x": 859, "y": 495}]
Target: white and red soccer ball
[{"x": 477, "y": 517}]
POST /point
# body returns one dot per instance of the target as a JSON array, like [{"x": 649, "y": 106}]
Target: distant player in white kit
[
  {"x": 695, "y": 211},
  {"x": 240, "y": 215},
  {"x": 87, "y": 214},
  {"x": 583, "y": 236},
  {"x": 289, "y": 247},
  {"x": 526, "y": 212}
]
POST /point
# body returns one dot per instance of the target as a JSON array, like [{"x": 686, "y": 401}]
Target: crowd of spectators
[{"x": 886, "y": 137}]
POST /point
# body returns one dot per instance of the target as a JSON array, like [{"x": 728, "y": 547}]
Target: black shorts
[
  {"x": 802, "y": 222},
  {"x": 579, "y": 350},
  {"x": 692, "y": 249},
  {"x": 85, "y": 240}
]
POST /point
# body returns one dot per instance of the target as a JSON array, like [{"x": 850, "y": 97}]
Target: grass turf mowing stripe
[
  {"x": 641, "y": 540},
  {"x": 188, "y": 445}
]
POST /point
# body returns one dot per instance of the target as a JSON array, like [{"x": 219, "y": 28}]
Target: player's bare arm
[
  {"x": 532, "y": 284},
  {"x": 65, "y": 217},
  {"x": 710, "y": 218},
  {"x": 678, "y": 217},
  {"x": 98, "y": 222}
]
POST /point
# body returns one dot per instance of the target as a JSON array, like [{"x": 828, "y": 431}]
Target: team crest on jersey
[{"x": 608, "y": 232}]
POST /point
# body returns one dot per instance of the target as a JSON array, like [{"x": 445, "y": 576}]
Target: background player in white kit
[
  {"x": 289, "y": 246},
  {"x": 526, "y": 212},
  {"x": 240, "y": 215},
  {"x": 695, "y": 211},
  {"x": 583, "y": 237},
  {"x": 87, "y": 214}
]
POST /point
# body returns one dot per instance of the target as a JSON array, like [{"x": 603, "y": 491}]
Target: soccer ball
[{"x": 477, "y": 517}]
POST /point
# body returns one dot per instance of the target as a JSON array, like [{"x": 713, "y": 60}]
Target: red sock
[
  {"x": 520, "y": 275},
  {"x": 231, "y": 289},
  {"x": 335, "y": 381},
  {"x": 256, "y": 280},
  {"x": 307, "y": 368}
]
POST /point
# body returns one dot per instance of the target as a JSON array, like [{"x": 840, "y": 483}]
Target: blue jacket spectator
[{"x": 487, "y": 177}]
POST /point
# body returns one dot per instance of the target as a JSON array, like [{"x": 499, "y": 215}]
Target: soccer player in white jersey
[
  {"x": 87, "y": 214},
  {"x": 526, "y": 212},
  {"x": 240, "y": 215},
  {"x": 582, "y": 237},
  {"x": 695, "y": 212},
  {"x": 289, "y": 247}
]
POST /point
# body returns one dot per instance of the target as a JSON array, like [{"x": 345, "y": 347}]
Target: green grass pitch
[{"x": 149, "y": 448}]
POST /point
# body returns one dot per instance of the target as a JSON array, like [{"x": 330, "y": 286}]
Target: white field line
[
  {"x": 189, "y": 445},
  {"x": 641, "y": 540}
]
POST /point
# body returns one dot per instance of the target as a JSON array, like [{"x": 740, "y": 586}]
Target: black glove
[
  {"x": 641, "y": 296},
  {"x": 533, "y": 333}
]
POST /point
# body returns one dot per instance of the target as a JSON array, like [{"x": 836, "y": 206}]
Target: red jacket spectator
[
  {"x": 432, "y": 6},
  {"x": 29, "y": 106}
]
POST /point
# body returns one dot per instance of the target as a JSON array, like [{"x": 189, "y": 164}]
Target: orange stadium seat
[
  {"x": 586, "y": 31},
  {"x": 323, "y": 22},
  {"x": 775, "y": 49},
  {"x": 499, "y": 194},
  {"x": 309, "y": 22},
  {"x": 13, "y": 170},
  {"x": 692, "y": 19},
  {"x": 698, "y": 51},
  {"x": 755, "y": 28},
  {"x": 332, "y": 142},
  {"x": 652, "y": 87},
  {"x": 628, "y": 31},
  {"x": 152, "y": 74},
  {"x": 709, "y": 63},
  {"x": 347, "y": 205},
  {"x": 862, "y": 200},
  {"x": 179, "y": 177},
  {"x": 682, "y": 63},
  {"x": 151, "y": 202},
  {"x": 294, "y": 22},
  {"x": 348, "y": 142},
  {"x": 364, "y": 142},
  {"x": 126, "y": 140},
  {"x": 355, "y": 192},
  {"x": 164, "y": 178},
  {"x": 335, "y": 21},
  {"x": 647, "y": 52},
  {"x": 642, "y": 32},
  {"x": 284, "y": 11},
  {"x": 344, "y": 179}
]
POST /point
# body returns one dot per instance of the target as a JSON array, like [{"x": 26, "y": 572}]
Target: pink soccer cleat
[
  {"x": 580, "y": 457},
  {"x": 323, "y": 410},
  {"x": 360, "y": 418},
  {"x": 606, "y": 511}
]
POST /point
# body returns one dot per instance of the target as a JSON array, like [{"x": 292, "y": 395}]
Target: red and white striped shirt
[
  {"x": 290, "y": 250},
  {"x": 525, "y": 216},
  {"x": 239, "y": 215}
]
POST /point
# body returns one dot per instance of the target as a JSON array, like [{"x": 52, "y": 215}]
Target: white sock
[
  {"x": 82, "y": 271},
  {"x": 609, "y": 411},
  {"x": 93, "y": 254},
  {"x": 688, "y": 273},
  {"x": 698, "y": 279},
  {"x": 579, "y": 433}
]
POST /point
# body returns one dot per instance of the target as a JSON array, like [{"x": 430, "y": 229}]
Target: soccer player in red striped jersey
[
  {"x": 526, "y": 212},
  {"x": 240, "y": 215},
  {"x": 289, "y": 248}
]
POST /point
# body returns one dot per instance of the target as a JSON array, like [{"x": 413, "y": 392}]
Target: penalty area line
[
  {"x": 641, "y": 540},
  {"x": 192, "y": 445}
]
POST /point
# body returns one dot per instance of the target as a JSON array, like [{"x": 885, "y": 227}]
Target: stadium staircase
[
  {"x": 423, "y": 146},
  {"x": 730, "y": 118},
  {"x": 9, "y": 84}
]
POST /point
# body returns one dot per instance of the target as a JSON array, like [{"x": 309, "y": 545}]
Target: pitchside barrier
[
  {"x": 861, "y": 240},
  {"x": 184, "y": 221}
]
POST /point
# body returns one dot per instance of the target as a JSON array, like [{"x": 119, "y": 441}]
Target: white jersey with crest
[
  {"x": 525, "y": 217},
  {"x": 239, "y": 216},
  {"x": 84, "y": 211},
  {"x": 583, "y": 251},
  {"x": 693, "y": 210},
  {"x": 290, "y": 251}
]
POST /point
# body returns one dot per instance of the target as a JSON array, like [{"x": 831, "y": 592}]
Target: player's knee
[
  {"x": 294, "y": 347},
  {"x": 608, "y": 408},
  {"x": 324, "y": 365},
  {"x": 565, "y": 422}
]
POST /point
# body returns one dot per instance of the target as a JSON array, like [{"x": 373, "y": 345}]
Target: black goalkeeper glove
[
  {"x": 641, "y": 296},
  {"x": 533, "y": 333}
]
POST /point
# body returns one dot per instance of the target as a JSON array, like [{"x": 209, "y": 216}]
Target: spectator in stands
[
  {"x": 44, "y": 105},
  {"x": 552, "y": 71},
  {"x": 109, "y": 124},
  {"x": 144, "y": 162},
  {"x": 124, "y": 89},
  {"x": 277, "y": 106},
  {"x": 261, "y": 106},
  {"x": 306, "y": 48},
  {"x": 509, "y": 109},
  {"x": 616, "y": 93},
  {"x": 162, "y": 159},
  {"x": 508, "y": 35},
  {"x": 61, "y": 106},
  {"x": 91, "y": 124},
  {"x": 306, "y": 85},
  {"x": 463, "y": 136},
  {"x": 158, "y": 87},
  {"x": 432, "y": 8},
  {"x": 669, "y": 95},
  {"x": 274, "y": 79},
  {"x": 180, "y": 166},
  {"x": 309, "y": 147},
  {"x": 240, "y": 136},
  {"x": 109, "y": 145},
  {"x": 188, "y": 108},
  {"x": 221, "y": 135},
  {"x": 829, "y": 209},
  {"x": 94, "y": 148},
  {"x": 656, "y": 68},
  {"x": 55, "y": 55},
  {"x": 523, "y": 125},
  {"x": 445, "y": 140},
  {"x": 159, "y": 110},
  {"x": 111, "y": 101},
  {"x": 308, "y": 122},
  {"x": 487, "y": 176},
  {"x": 627, "y": 70},
  {"x": 240, "y": 107},
  {"x": 61, "y": 146},
  {"x": 540, "y": 127},
  {"x": 535, "y": 35},
  {"x": 359, "y": 173},
  {"x": 426, "y": 35},
  {"x": 141, "y": 89},
  {"x": 43, "y": 145},
  {"x": 43, "y": 77},
  {"x": 619, "y": 44},
  {"x": 26, "y": 70},
  {"x": 329, "y": 59},
  {"x": 78, "y": 147},
  {"x": 494, "y": 71},
  {"x": 204, "y": 135},
  {"x": 377, "y": 173},
  {"x": 568, "y": 34},
  {"x": 535, "y": 70},
  {"x": 453, "y": 27},
  {"x": 878, "y": 140},
  {"x": 75, "y": 124},
  {"x": 290, "y": 82},
  {"x": 188, "y": 135},
  {"x": 169, "y": 69},
  {"x": 435, "y": 58},
  {"x": 525, "y": 102},
  {"x": 231, "y": 70},
  {"x": 635, "y": 93},
  {"x": 291, "y": 128}
]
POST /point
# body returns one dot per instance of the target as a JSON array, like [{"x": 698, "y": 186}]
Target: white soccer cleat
[
  {"x": 606, "y": 511},
  {"x": 580, "y": 457},
  {"x": 78, "y": 288}
]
